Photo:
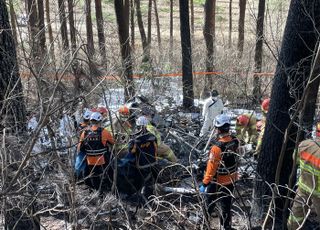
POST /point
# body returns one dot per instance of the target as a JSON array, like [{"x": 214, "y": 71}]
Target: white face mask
[{"x": 214, "y": 98}]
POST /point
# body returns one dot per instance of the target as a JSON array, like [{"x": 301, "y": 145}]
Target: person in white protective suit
[{"x": 213, "y": 106}]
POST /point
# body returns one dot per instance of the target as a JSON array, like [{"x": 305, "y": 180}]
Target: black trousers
[
  {"x": 100, "y": 177},
  {"x": 220, "y": 200}
]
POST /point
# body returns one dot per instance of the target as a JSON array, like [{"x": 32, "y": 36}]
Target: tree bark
[
  {"x": 51, "y": 45},
  {"x": 171, "y": 29},
  {"x": 122, "y": 14},
  {"x": 242, "y": 15},
  {"x": 157, "y": 23},
  {"x": 73, "y": 38},
  {"x": 90, "y": 44},
  {"x": 132, "y": 24},
  {"x": 293, "y": 70},
  {"x": 13, "y": 22},
  {"x": 258, "y": 52},
  {"x": 187, "y": 78},
  {"x": 144, "y": 40},
  {"x": 100, "y": 27},
  {"x": 149, "y": 24},
  {"x": 63, "y": 28},
  {"x": 209, "y": 36},
  {"x": 230, "y": 24},
  {"x": 33, "y": 29},
  {"x": 13, "y": 115},
  {"x": 42, "y": 30},
  {"x": 192, "y": 18}
]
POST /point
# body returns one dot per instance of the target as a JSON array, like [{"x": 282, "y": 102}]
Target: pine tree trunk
[
  {"x": 142, "y": 32},
  {"x": 13, "y": 22},
  {"x": 122, "y": 13},
  {"x": 158, "y": 23},
  {"x": 258, "y": 52},
  {"x": 33, "y": 29},
  {"x": 42, "y": 30},
  {"x": 209, "y": 36},
  {"x": 51, "y": 41},
  {"x": 73, "y": 38},
  {"x": 192, "y": 18},
  {"x": 132, "y": 24},
  {"x": 100, "y": 27},
  {"x": 13, "y": 115},
  {"x": 293, "y": 70},
  {"x": 90, "y": 44},
  {"x": 242, "y": 15},
  {"x": 63, "y": 28},
  {"x": 149, "y": 23},
  {"x": 171, "y": 30},
  {"x": 187, "y": 78},
  {"x": 230, "y": 24}
]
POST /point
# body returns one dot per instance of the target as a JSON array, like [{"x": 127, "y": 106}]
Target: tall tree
[
  {"x": 293, "y": 71},
  {"x": 187, "y": 78},
  {"x": 242, "y": 15},
  {"x": 51, "y": 41},
  {"x": 12, "y": 105},
  {"x": 258, "y": 51},
  {"x": 42, "y": 30},
  {"x": 209, "y": 36},
  {"x": 230, "y": 24},
  {"x": 90, "y": 44},
  {"x": 157, "y": 23},
  {"x": 73, "y": 38},
  {"x": 171, "y": 29},
  {"x": 192, "y": 17},
  {"x": 132, "y": 25},
  {"x": 63, "y": 28},
  {"x": 149, "y": 24},
  {"x": 122, "y": 13},
  {"x": 13, "y": 22},
  {"x": 145, "y": 45},
  {"x": 100, "y": 27},
  {"x": 33, "y": 28}
]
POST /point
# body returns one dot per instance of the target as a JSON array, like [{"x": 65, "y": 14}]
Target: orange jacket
[
  {"x": 106, "y": 136},
  {"x": 213, "y": 163}
]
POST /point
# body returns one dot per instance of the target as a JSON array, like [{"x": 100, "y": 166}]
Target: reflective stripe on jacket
[{"x": 309, "y": 154}]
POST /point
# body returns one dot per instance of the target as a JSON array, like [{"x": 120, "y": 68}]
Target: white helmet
[
  {"x": 142, "y": 121},
  {"x": 221, "y": 120},
  {"x": 96, "y": 116},
  {"x": 86, "y": 115}
]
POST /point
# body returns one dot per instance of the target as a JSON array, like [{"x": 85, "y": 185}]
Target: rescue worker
[
  {"x": 246, "y": 128},
  {"x": 85, "y": 122},
  {"x": 221, "y": 171},
  {"x": 212, "y": 107},
  {"x": 105, "y": 114},
  {"x": 143, "y": 147},
  {"x": 122, "y": 129},
  {"x": 308, "y": 192},
  {"x": 264, "y": 108},
  {"x": 96, "y": 143},
  {"x": 164, "y": 151}
]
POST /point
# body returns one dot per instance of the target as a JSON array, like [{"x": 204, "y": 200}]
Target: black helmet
[{"x": 214, "y": 93}]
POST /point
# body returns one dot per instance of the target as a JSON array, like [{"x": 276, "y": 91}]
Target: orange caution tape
[{"x": 138, "y": 76}]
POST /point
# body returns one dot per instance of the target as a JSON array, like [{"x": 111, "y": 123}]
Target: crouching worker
[
  {"x": 221, "y": 171},
  {"x": 143, "y": 148},
  {"x": 246, "y": 128},
  {"x": 96, "y": 143}
]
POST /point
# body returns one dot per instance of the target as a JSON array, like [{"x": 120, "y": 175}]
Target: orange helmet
[
  {"x": 318, "y": 129},
  {"x": 124, "y": 112},
  {"x": 265, "y": 105},
  {"x": 103, "y": 111},
  {"x": 259, "y": 125},
  {"x": 243, "y": 120}
]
